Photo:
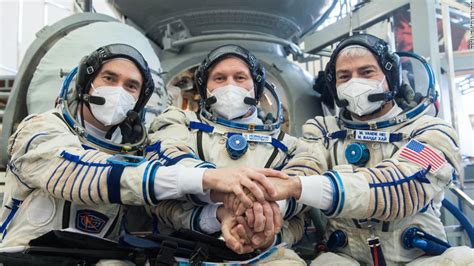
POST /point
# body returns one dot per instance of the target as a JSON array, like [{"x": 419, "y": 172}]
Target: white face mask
[
  {"x": 117, "y": 103},
  {"x": 230, "y": 101},
  {"x": 356, "y": 91}
]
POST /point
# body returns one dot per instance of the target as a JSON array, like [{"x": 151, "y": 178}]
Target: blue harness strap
[
  {"x": 13, "y": 209},
  {"x": 341, "y": 134},
  {"x": 279, "y": 145},
  {"x": 210, "y": 129},
  {"x": 201, "y": 126}
]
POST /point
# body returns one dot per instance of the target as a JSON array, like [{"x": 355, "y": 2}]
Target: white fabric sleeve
[
  {"x": 316, "y": 191},
  {"x": 175, "y": 181},
  {"x": 208, "y": 221},
  {"x": 206, "y": 197},
  {"x": 283, "y": 204}
]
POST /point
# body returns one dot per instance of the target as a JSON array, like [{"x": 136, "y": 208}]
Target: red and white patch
[{"x": 422, "y": 155}]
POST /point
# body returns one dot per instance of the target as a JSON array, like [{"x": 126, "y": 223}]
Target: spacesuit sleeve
[
  {"x": 45, "y": 154},
  {"x": 170, "y": 129},
  {"x": 308, "y": 158},
  {"x": 403, "y": 184},
  {"x": 292, "y": 230},
  {"x": 177, "y": 214}
]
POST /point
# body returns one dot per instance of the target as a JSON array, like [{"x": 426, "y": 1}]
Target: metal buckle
[{"x": 251, "y": 127}]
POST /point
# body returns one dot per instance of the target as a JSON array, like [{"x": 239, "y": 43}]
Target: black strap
[
  {"x": 275, "y": 150},
  {"x": 385, "y": 226},
  {"x": 200, "y": 254},
  {"x": 376, "y": 251},
  {"x": 166, "y": 254},
  {"x": 199, "y": 146},
  {"x": 66, "y": 213},
  {"x": 199, "y": 140}
]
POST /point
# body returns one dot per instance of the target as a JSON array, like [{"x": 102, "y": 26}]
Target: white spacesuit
[
  {"x": 66, "y": 173},
  {"x": 218, "y": 134},
  {"x": 386, "y": 175}
]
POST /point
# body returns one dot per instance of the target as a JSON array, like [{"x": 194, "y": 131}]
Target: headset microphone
[{"x": 97, "y": 100}]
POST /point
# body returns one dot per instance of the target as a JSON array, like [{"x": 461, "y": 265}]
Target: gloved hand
[
  {"x": 131, "y": 128},
  {"x": 406, "y": 96}
]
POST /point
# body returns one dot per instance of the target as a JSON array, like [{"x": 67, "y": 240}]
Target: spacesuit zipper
[{"x": 375, "y": 247}]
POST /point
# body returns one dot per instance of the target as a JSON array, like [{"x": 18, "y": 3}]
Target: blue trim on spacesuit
[
  {"x": 74, "y": 183},
  {"x": 54, "y": 173},
  {"x": 33, "y": 138},
  {"x": 64, "y": 170},
  {"x": 209, "y": 129},
  {"x": 388, "y": 123},
  {"x": 78, "y": 159},
  {"x": 397, "y": 180},
  {"x": 279, "y": 145},
  {"x": 84, "y": 177},
  {"x": 373, "y": 176},
  {"x": 201, "y": 126},
  {"x": 290, "y": 210},
  {"x": 241, "y": 126},
  {"x": 398, "y": 194},
  {"x": 113, "y": 183},
  {"x": 154, "y": 147},
  {"x": 70, "y": 121},
  {"x": 144, "y": 181},
  {"x": 420, "y": 176},
  {"x": 206, "y": 165},
  {"x": 177, "y": 159},
  {"x": 13, "y": 209},
  {"x": 278, "y": 238},
  {"x": 90, "y": 184},
  {"x": 12, "y": 170},
  {"x": 195, "y": 218},
  {"x": 151, "y": 182},
  {"x": 98, "y": 182},
  {"x": 338, "y": 193},
  {"x": 428, "y": 128}
]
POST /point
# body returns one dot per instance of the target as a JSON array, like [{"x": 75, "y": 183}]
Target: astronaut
[
  {"x": 74, "y": 167},
  {"x": 386, "y": 166},
  {"x": 231, "y": 129}
]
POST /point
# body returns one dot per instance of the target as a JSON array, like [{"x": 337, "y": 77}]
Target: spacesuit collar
[
  {"x": 91, "y": 129},
  {"x": 393, "y": 112},
  {"x": 251, "y": 119},
  {"x": 401, "y": 118},
  {"x": 236, "y": 125}
]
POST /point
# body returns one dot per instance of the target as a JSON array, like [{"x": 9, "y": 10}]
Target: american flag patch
[{"x": 422, "y": 155}]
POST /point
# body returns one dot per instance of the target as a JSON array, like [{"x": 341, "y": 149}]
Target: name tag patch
[
  {"x": 257, "y": 138},
  {"x": 90, "y": 221},
  {"x": 369, "y": 135}
]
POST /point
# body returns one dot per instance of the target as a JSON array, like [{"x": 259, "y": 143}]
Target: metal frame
[
  {"x": 424, "y": 27},
  {"x": 364, "y": 17},
  {"x": 46, "y": 38}
]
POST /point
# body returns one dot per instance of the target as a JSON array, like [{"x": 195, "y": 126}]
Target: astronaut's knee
[{"x": 330, "y": 258}]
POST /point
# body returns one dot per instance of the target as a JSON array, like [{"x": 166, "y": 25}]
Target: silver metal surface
[
  {"x": 288, "y": 20},
  {"x": 448, "y": 48},
  {"x": 365, "y": 16},
  {"x": 463, "y": 60},
  {"x": 462, "y": 195},
  {"x": 16, "y": 107}
]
